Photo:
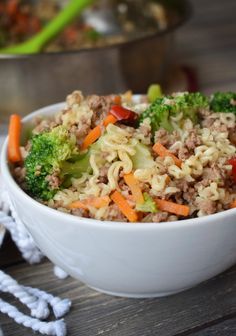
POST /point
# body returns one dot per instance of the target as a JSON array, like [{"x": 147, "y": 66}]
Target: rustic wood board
[
  {"x": 226, "y": 328},
  {"x": 205, "y": 306}
]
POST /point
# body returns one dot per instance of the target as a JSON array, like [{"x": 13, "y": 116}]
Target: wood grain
[
  {"x": 98, "y": 314},
  {"x": 226, "y": 328}
]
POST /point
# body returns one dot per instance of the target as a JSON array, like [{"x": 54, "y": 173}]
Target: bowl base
[{"x": 138, "y": 296}]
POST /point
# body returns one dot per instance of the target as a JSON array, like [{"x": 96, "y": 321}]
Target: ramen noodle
[{"x": 194, "y": 174}]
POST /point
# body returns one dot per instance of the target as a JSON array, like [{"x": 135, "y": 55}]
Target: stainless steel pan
[{"x": 31, "y": 81}]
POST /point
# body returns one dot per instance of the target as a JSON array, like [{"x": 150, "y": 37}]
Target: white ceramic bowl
[{"x": 133, "y": 260}]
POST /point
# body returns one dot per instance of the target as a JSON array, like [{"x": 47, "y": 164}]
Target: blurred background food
[
  {"x": 102, "y": 24},
  {"x": 113, "y": 46}
]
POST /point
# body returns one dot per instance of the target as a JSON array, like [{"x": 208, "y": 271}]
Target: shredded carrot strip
[
  {"x": 162, "y": 151},
  {"x": 96, "y": 202},
  {"x": 233, "y": 204},
  {"x": 110, "y": 119},
  {"x": 96, "y": 132},
  {"x": 177, "y": 209},
  {"x": 14, "y": 154},
  {"x": 78, "y": 205},
  {"x": 99, "y": 202},
  {"x": 117, "y": 100},
  {"x": 133, "y": 184},
  {"x": 124, "y": 207},
  {"x": 92, "y": 136}
]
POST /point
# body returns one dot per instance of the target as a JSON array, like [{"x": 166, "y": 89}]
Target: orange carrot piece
[
  {"x": 96, "y": 132},
  {"x": 162, "y": 151},
  {"x": 124, "y": 207},
  {"x": 78, "y": 205},
  {"x": 92, "y": 136},
  {"x": 14, "y": 154},
  {"x": 177, "y": 209},
  {"x": 233, "y": 205},
  {"x": 96, "y": 202},
  {"x": 110, "y": 119},
  {"x": 117, "y": 100},
  {"x": 99, "y": 202},
  {"x": 133, "y": 184}
]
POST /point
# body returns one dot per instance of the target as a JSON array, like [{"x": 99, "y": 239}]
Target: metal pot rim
[{"x": 184, "y": 16}]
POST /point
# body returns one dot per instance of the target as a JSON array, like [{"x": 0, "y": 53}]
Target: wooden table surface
[{"x": 208, "y": 43}]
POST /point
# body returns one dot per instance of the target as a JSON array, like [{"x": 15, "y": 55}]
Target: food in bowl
[
  {"x": 125, "y": 259},
  {"x": 133, "y": 159},
  {"x": 21, "y": 19}
]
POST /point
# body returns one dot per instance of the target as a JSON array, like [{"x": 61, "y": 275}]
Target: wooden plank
[
  {"x": 226, "y": 328},
  {"x": 98, "y": 314}
]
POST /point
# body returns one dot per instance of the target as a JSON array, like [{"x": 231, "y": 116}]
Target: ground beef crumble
[
  {"x": 193, "y": 140},
  {"x": 53, "y": 181},
  {"x": 181, "y": 190},
  {"x": 162, "y": 136},
  {"x": 100, "y": 105},
  {"x": 207, "y": 207},
  {"x": 20, "y": 173}
]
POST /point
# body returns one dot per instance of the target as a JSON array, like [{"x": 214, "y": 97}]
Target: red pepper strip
[
  {"x": 122, "y": 113},
  {"x": 232, "y": 162}
]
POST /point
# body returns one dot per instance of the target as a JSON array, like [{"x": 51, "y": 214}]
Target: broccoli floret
[
  {"x": 223, "y": 102},
  {"x": 190, "y": 104},
  {"x": 48, "y": 152},
  {"x": 149, "y": 204},
  {"x": 160, "y": 111}
]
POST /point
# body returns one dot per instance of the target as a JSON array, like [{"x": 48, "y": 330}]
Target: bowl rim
[
  {"x": 8, "y": 179},
  {"x": 184, "y": 16}
]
